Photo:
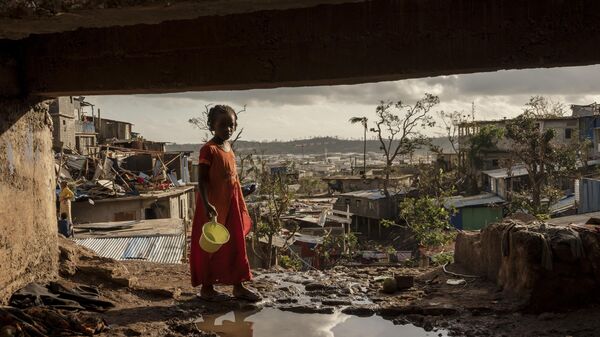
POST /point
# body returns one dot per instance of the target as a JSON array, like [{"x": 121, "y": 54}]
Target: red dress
[{"x": 228, "y": 265}]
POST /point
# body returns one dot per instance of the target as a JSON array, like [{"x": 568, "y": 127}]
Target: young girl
[{"x": 221, "y": 196}]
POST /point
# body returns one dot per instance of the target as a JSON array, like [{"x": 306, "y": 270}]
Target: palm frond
[{"x": 355, "y": 120}]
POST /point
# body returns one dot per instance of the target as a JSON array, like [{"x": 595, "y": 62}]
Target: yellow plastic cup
[{"x": 214, "y": 235}]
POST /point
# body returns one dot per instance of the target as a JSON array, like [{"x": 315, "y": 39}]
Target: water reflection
[{"x": 273, "y": 322}]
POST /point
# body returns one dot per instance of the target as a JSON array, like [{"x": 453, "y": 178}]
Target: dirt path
[{"x": 157, "y": 300}]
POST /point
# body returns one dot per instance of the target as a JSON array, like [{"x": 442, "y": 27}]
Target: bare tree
[
  {"x": 201, "y": 123},
  {"x": 275, "y": 194},
  {"x": 400, "y": 134},
  {"x": 451, "y": 121},
  {"x": 542, "y": 107},
  {"x": 546, "y": 160},
  {"x": 247, "y": 165}
]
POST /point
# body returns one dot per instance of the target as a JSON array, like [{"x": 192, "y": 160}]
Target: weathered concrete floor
[{"x": 157, "y": 300}]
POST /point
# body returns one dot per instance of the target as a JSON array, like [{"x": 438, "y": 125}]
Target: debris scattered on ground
[
  {"x": 117, "y": 172},
  {"x": 47, "y": 321},
  {"x": 455, "y": 282},
  {"x": 60, "y": 296},
  {"x": 161, "y": 301},
  {"x": 389, "y": 285}
]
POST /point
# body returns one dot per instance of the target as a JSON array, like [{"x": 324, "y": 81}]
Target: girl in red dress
[{"x": 221, "y": 196}]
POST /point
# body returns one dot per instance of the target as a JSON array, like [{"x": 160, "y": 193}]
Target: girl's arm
[{"x": 211, "y": 211}]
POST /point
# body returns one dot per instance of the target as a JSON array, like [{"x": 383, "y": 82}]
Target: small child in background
[
  {"x": 65, "y": 227},
  {"x": 65, "y": 196}
]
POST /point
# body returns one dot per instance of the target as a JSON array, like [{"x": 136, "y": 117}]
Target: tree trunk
[
  {"x": 536, "y": 198},
  {"x": 270, "y": 254},
  {"x": 365, "y": 153},
  {"x": 386, "y": 181}
]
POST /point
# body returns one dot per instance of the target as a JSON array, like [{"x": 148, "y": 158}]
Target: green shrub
[{"x": 290, "y": 262}]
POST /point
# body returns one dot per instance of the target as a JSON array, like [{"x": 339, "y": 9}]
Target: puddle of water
[{"x": 272, "y": 322}]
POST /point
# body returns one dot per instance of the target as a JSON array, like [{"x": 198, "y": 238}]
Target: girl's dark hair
[{"x": 217, "y": 110}]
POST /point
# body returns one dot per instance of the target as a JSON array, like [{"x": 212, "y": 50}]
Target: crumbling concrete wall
[
  {"x": 28, "y": 229},
  {"x": 536, "y": 262}
]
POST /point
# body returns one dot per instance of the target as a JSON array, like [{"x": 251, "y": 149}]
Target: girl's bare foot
[
  {"x": 208, "y": 293},
  {"x": 242, "y": 293}
]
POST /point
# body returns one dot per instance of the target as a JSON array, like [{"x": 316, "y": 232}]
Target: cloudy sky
[{"x": 292, "y": 113}]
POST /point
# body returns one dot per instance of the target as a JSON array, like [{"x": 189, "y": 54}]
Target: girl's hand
[{"x": 211, "y": 211}]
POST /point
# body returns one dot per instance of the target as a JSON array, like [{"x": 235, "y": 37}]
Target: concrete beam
[
  {"x": 67, "y": 15},
  {"x": 328, "y": 44},
  {"x": 10, "y": 85}
]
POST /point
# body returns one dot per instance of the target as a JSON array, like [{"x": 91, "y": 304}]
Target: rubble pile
[
  {"x": 116, "y": 172},
  {"x": 71, "y": 305},
  {"x": 46, "y": 321}
]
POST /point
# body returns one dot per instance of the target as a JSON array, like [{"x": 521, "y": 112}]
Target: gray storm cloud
[
  {"x": 288, "y": 113},
  {"x": 552, "y": 81}
]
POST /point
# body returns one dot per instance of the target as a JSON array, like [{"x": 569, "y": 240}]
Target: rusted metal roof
[{"x": 156, "y": 248}]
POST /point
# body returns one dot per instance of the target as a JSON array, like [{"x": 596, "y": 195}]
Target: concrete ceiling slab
[
  {"x": 328, "y": 44},
  {"x": 22, "y": 19}
]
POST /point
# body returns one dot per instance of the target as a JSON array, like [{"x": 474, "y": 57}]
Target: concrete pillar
[{"x": 28, "y": 226}]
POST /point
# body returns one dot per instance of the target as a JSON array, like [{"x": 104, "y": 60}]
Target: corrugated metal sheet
[
  {"x": 476, "y": 200},
  {"x": 370, "y": 194},
  {"x": 589, "y": 195},
  {"x": 563, "y": 205},
  {"x": 157, "y": 248},
  {"x": 516, "y": 171}
]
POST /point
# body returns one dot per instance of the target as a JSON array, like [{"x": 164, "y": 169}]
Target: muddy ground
[{"x": 158, "y": 300}]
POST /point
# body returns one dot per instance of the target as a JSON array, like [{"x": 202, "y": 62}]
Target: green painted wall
[{"x": 474, "y": 218}]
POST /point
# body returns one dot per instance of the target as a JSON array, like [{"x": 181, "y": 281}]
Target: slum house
[
  {"x": 587, "y": 195},
  {"x": 319, "y": 169},
  {"x": 502, "y": 181},
  {"x": 73, "y": 131},
  {"x": 357, "y": 168},
  {"x": 306, "y": 225},
  {"x": 128, "y": 184},
  {"x": 317, "y": 219},
  {"x": 344, "y": 184},
  {"x": 589, "y": 125},
  {"x": 113, "y": 129},
  {"x": 448, "y": 161},
  {"x": 139, "y": 143},
  {"x": 138, "y": 157},
  {"x": 376, "y": 168},
  {"x": 475, "y": 212},
  {"x": 368, "y": 208},
  {"x": 284, "y": 170},
  {"x": 567, "y": 130},
  {"x": 177, "y": 202},
  {"x": 86, "y": 137}
]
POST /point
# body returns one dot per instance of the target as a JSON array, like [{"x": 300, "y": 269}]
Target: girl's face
[{"x": 224, "y": 125}]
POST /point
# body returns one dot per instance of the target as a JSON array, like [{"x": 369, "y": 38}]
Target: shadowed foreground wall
[
  {"x": 539, "y": 263},
  {"x": 28, "y": 239}
]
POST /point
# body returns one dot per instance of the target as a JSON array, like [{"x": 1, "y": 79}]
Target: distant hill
[{"x": 309, "y": 146}]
